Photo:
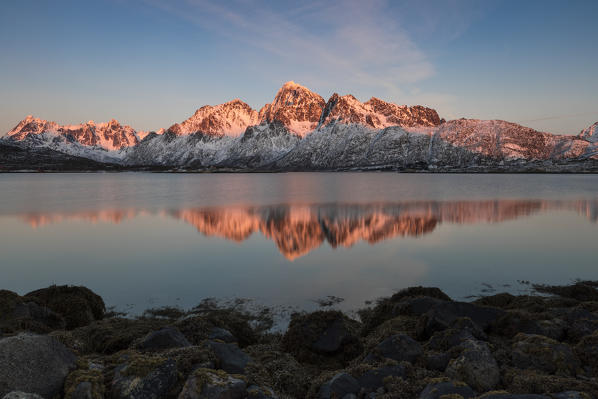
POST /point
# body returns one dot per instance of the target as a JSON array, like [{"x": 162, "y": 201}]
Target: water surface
[{"x": 145, "y": 240}]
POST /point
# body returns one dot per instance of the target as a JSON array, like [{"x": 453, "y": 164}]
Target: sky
[{"x": 151, "y": 63}]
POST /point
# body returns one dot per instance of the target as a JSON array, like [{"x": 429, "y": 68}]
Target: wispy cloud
[{"x": 331, "y": 43}]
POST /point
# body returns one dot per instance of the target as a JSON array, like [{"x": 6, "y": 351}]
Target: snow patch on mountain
[{"x": 229, "y": 119}]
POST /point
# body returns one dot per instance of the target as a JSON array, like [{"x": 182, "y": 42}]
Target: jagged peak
[
  {"x": 590, "y": 133},
  {"x": 291, "y": 84}
]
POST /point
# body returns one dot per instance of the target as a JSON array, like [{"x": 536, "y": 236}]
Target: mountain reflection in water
[{"x": 298, "y": 229}]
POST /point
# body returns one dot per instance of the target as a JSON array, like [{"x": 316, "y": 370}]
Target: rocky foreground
[{"x": 61, "y": 342}]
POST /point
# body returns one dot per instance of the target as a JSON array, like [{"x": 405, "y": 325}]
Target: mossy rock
[
  {"x": 85, "y": 379},
  {"x": 545, "y": 354},
  {"x": 279, "y": 371},
  {"x": 587, "y": 350},
  {"x": 18, "y": 314},
  {"x": 397, "y": 325},
  {"x": 532, "y": 381},
  {"x": 386, "y": 308},
  {"x": 328, "y": 338},
  {"x": 111, "y": 335},
  {"x": 78, "y": 305},
  {"x": 197, "y": 327}
]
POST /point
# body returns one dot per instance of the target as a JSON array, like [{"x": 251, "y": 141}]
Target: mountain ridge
[{"x": 299, "y": 130}]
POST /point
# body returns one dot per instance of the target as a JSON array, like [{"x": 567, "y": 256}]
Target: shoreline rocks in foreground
[{"x": 60, "y": 342}]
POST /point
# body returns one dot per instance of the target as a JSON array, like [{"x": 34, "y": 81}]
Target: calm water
[{"x": 146, "y": 240}]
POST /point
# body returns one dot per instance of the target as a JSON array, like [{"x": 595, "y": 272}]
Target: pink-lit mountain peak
[
  {"x": 297, "y": 108},
  {"x": 230, "y": 119},
  {"x": 109, "y": 135}
]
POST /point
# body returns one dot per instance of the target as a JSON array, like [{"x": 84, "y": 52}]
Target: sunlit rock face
[
  {"x": 109, "y": 135},
  {"x": 375, "y": 113},
  {"x": 231, "y": 119},
  {"x": 296, "y": 107},
  {"x": 296, "y": 230},
  {"x": 590, "y": 134},
  {"x": 301, "y": 131}
]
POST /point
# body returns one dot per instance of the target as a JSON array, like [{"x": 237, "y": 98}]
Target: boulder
[
  {"x": 168, "y": 337},
  {"x": 78, "y": 305},
  {"x": 579, "y": 322},
  {"x": 412, "y": 301},
  {"x": 461, "y": 329},
  {"x": 570, "y": 395},
  {"x": 515, "y": 322},
  {"x": 442, "y": 315},
  {"x": 199, "y": 327},
  {"x": 338, "y": 386},
  {"x": 506, "y": 395},
  {"x": 436, "y": 360},
  {"x": 398, "y": 347},
  {"x": 21, "y": 395},
  {"x": 322, "y": 334},
  {"x": 445, "y": 389},
  {"x": 545, "y": 354},
  {"x": 587, "y": 351},
  {"x": 212, "y": 384},
  {"x": 476, "y": 366},
  {"x": 144, "y": 377},
  {"x": 257, "y": 392},
  {"x": 87, "y": 383},
  {"x": 34, "y": 363},
  {"x": 20, "y": 314},
  {"x": 373, "y": 379},
  {"x": 229, "y": 357},
  {"x": 221, "y": 334}
]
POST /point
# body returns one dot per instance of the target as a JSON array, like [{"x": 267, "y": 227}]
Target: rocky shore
[{"x": 60, "y": 342}]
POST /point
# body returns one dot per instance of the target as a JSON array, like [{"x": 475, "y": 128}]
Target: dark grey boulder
[
  {"x": 374, "y": 379},
  {"x": 332, "y": 338},
  {"x": 78, "y": 305},
  {"x": 21, "y": 395},
  {"x": 439, "y": 389},
  {"x": 128, "y": 384},
  {"x": 569, "y": 395},
  {"x": 515, "y": 396},
  {"x": 34, "y": 364},
  {"x": 229, "y": 357},
  {"x": 322, "y": 336},
  {"x": 165, "y": 338},
  {"x": 221, "y": 334},
  {"x": 211, "y": 384},
  {"x": 476, "y": 366},
  {"x": 442, "y": 315},
  {"x": 257, "y": 392},
  {"x": 398, "y": 347},
  {"x": 415, "y": 306},
  {"x": 340, "y": 385},
  {"x": 436, "y": 360},
  {"x": 545, "y": 354},
  {"x": 83, "y": 390},
  {"x": 21, "y": 314}
]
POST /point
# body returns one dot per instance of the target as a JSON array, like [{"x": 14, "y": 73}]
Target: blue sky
[{"x": 150, "y": 63}]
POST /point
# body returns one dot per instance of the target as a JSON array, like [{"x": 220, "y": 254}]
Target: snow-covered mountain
[
  {"x": 229, "y": 119},
  {"x": 109, "y": 135},
  {"x": 375, "y": 113},
  {"x": 301, "y": 131},
  {"x": 296, "y": 107}
]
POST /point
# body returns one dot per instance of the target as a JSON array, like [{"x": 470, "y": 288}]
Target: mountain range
[{"x": 299, "y": 130}]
